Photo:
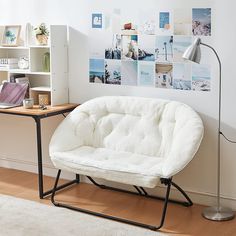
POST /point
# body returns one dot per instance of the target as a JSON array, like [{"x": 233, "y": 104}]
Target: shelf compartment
[
  {"x": 36, "y": 91},
  {"x": 36, "y": 59},
  {"x": 16, "y": 54}
]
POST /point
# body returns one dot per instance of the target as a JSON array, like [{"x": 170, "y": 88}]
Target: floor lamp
[{"x": 216, "y": 213}]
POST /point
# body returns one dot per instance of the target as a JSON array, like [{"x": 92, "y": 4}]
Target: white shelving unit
[{"x": 55, "y": 82}]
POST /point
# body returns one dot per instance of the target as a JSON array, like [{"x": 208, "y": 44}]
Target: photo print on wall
[
  {"x": 146, "y": 73},
  {"x": 145, "y": 48},
  {"x": 164, "y": 23},
  {"x": 104, "y": 41},
  {"x": 182, "y": 22},
  {"x": 147, "y": 22},
  {"x": 96, "y": 70},
  {"x": 97, "y": 20},
  {"x": 113, "y": 51},
  {"x": 180, "y": 44},
  {"x": 182, "y": 76},
  {"x": 201, "y": 21},
  {"x": 116, "y": 21},
  {"x": 129, "y": 22},
  {"x": 129, "y": 73},
  {"x": 201, "y": 77},
  {"x": 113, "y": 72},
  {"x": 112, "y": 21},
  {"x": 129, "y": 47},
  {"x": 164, "y": 49},
  {"x": 164, "y": 75}
]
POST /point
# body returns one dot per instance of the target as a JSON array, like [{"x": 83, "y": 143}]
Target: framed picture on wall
[{"x": 11, "y": 35}]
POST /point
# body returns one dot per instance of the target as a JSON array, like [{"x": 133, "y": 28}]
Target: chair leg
[
  {"x": 145, "y": 193},
  {"x": 187, "y": 204},
  {"x": 55, "y": 187},
  {"x": 76, "y": 181},
  {"x": 167, "y": 182},
  {"x": 77, "y": 178},
  {"x": 138, "y": 190},
  {"x": 94, "y": 182}
]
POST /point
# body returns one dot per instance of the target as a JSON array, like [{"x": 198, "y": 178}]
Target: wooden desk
[{"x": 38, "y": 114}]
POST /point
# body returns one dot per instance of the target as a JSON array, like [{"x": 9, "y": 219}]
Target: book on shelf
[
  {"x": 8, "y": 61},
  {"x": 8, "y": 66},
  {"x": 22, "y": 80},
  {"x": 15, "y": 76}
]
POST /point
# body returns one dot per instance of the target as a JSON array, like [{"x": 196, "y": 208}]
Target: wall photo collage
[{"x": 147, "y": 51}]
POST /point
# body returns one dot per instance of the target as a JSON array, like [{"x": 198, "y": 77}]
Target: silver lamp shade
[{"x": 193, "y": 52}]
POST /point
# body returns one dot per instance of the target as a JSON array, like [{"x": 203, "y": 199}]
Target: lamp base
[{"x": 218, "y": 214}]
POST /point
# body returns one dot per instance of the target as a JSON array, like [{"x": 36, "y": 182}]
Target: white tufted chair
[{"x": 130, "y": 140}]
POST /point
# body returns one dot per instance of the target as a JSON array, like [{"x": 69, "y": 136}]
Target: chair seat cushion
[{"x": 123, "y": 167}]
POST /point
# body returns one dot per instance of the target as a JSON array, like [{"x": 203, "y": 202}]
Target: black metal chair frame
[{"x": 140, "y": 191}]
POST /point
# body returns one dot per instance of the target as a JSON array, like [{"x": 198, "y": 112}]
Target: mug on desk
[{"x": 28, "y": 103}]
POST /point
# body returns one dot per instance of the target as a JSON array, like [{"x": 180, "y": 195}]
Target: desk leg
[
  {"x": 39, "y": 150},
  {"x": 43, "y": 194}
]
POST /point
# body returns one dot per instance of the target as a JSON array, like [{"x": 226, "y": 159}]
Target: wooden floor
[{"x": 179, "y": 220}]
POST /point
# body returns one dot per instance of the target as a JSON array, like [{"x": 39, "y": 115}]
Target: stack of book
[
  {"x": 8, "y": 63},
  {"x": 22, "y": 80}
]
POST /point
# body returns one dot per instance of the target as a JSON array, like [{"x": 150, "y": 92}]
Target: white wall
[{"x": 17, "y": 135}]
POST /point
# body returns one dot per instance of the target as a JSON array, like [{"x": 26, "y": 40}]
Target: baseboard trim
[
  {"x": 203, "y": 198},
  {"x": 30, "y": 166},
  {"x": 24, "y": 162}
]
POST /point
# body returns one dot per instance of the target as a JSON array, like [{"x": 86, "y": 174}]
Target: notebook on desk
[{"x": 12, "y": 95}]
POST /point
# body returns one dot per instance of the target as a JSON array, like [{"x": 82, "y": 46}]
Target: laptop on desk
[{"x": 12, "y": 95}]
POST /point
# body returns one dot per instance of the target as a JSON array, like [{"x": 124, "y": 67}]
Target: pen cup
[{"x": 28, "y": 103}]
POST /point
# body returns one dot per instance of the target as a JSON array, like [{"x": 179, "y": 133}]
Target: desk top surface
[{"x": 36, "y": 111}]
